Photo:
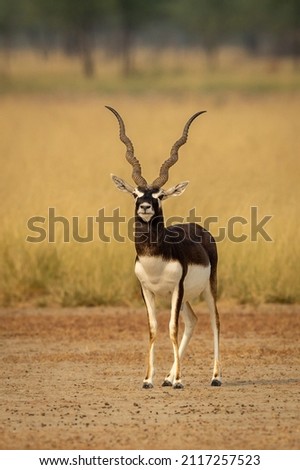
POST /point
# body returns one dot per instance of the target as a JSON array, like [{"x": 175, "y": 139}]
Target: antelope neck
[{"x": 149, "y": 236}]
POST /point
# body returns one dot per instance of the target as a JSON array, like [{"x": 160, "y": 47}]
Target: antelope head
[{"x": 148, "y": 197}]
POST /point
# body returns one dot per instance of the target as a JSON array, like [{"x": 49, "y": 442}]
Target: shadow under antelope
[{"x": 179, "y": 261}]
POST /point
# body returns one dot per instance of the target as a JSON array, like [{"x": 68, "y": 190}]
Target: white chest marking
[
  {"x": 159, "y": 276},
  {"x": 162, "y": 277}
]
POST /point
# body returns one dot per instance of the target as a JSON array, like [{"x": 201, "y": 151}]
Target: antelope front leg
[
  {"x": 190, "y": 321},
  {"x": 149, "y": 299},
  {"x": 175, "y": 377}
]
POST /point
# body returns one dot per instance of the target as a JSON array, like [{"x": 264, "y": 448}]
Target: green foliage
[
  {"x": 76, "y": 26},
  {"x": 74, "y": 13},
  {"x": 212, "y": 21}
]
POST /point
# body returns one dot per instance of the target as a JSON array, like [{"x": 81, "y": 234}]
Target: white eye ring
[
  {"x": 157, "y": 195},
  {"x": 138, "y": 193}
]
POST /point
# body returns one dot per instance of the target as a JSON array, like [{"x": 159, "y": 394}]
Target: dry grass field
[{"x": 58, "y": 152}]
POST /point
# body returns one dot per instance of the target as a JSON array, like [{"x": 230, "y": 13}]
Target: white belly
[
  {"x": 196, "y": 279},
  {"x": 162, "y": 277}
]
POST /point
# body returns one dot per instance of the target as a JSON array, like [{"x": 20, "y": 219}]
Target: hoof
[
  {"x": 147, "y": 385},
  {"x": 178, "y": 385},
  {"x": 167, "y": 383},
  {"x": 216, "y": 383}
]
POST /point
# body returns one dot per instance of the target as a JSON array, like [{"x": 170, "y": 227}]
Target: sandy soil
[{"x": 71, "y": 379}]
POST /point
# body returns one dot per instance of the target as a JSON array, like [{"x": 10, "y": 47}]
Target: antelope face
[{"x": 148, "y": 200}]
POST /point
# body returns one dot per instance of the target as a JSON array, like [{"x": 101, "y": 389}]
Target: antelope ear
[
  {"x": 122, "y": 185},
  {"x": 175, "y": 190}
]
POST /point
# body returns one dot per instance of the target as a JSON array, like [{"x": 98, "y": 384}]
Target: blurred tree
[
  {"x": 134, "y": 15},
  {"x": 77, "y": 21},
  {"x": 248, "y": 22},
  {"x": 251, "y": 23},
  {"x": 11, "y": 13},
  {"x": 208, "y": 21},
  {"x": 274, "y": 23},
  {"x": 285, "y": 27}
]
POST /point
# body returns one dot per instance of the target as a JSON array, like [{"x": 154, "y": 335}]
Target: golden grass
[
  {"x": 164, "y": 70},
  {"x": 59, "y": 152}
]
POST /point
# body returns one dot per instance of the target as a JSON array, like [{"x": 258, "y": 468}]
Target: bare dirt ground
[{"x": 71, "y": 379}]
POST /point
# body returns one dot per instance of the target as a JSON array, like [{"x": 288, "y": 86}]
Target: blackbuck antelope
[{"x": 179, "y": 261}]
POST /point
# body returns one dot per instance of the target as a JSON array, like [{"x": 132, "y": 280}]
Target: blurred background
[
  {"x": 49, "y": 46},
  {"x": 157, "y": 63}
]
